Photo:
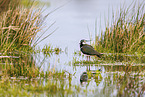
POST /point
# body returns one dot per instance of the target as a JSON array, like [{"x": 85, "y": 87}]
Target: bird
[{"x": 88, "y": 49}]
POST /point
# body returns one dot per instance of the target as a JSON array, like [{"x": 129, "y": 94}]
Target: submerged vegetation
[{"x": 49, "y": 50}]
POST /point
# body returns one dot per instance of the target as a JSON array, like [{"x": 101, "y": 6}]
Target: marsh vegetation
[{"x": 120, "y": 71}]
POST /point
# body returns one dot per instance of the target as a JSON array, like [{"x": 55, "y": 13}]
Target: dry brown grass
[{"x": 18, "y": 27}]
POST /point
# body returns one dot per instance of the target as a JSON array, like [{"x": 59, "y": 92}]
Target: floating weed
[
  {"x": 50, "y": 83},
  {"x": 77, "y": 53},
  {"x": 49, "y": 50},
  {"x": 112, "y": 58},
  {"x": 86, "y": 62}
]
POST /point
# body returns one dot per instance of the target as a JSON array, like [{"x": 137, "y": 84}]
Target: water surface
[{"x": 83, "y": 19}]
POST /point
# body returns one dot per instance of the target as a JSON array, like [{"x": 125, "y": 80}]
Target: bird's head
[{"x": 84, "y": 41}]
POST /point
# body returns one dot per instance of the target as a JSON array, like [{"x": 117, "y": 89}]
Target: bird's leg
[
  {"x": 87, "y": 58},
  {"x": 89, "y": 62},
  {"x": 88, "y": 67}
]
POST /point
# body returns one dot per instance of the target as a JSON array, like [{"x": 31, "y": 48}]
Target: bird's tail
[{"x": 100, "y": 55}]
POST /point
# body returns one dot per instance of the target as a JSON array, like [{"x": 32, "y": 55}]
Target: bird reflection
[
  {"x": 92, "y": 74},
  {"x": 84, "y": 77}
]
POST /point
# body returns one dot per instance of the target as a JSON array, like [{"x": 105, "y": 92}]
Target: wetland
[{"x": 39, "y": 59}]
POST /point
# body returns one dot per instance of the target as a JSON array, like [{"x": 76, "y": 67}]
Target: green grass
[
  {"x": 18, "y": 29},
  {"x": 126, "y": 34},
  {"x": 12, "y": 86},
  {"x": 21, "y": 77},
  {"x": 109, "y": 58},
  {"x": 19, "y": 26}
]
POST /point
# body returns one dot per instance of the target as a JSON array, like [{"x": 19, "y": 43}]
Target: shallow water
[
  {"x": 77, "y": 20},
  {"x": 68, "y": 73}
]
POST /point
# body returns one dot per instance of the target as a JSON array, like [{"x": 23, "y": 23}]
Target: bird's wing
[
  {"x": 88, "y": 49},
  {"x": 88, "y": 46}
]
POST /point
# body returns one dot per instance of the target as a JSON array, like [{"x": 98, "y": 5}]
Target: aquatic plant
[
  {"x": 20, "y": 75},
  {"x": 40, "y": 86},
  {"x": 49, "y": 50},
  {"x": 127, "y": 33},
  {"x": 19, "y": 26}
]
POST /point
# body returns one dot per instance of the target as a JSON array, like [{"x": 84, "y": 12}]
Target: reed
[
  {"x": 127, "y": 33},
  {"x": 18, "y": 27}
]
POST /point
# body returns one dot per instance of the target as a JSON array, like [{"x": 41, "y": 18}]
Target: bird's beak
[{"x": 87, "y": 40}]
